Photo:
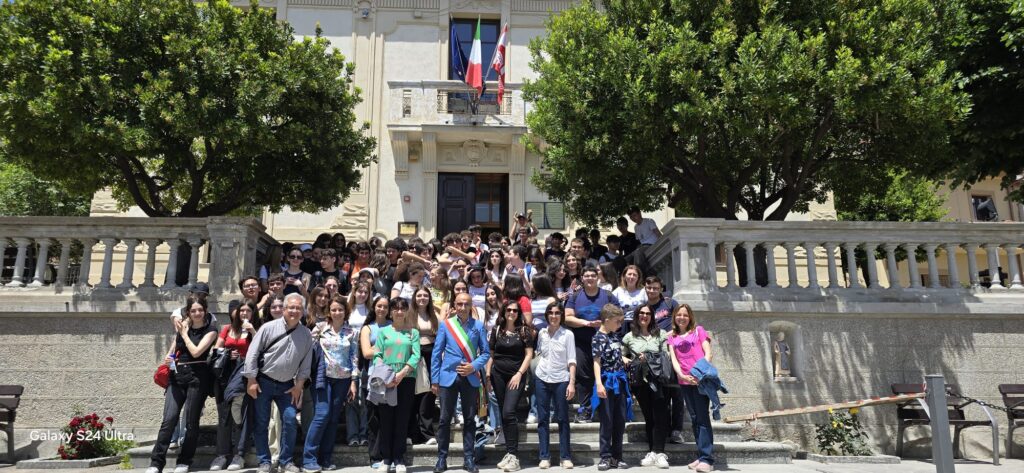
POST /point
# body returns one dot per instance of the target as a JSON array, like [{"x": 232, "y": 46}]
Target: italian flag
[{"x": 474, "y": 72}]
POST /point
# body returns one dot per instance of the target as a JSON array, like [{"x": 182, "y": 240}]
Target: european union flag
[{"x": 457, "y": 58}]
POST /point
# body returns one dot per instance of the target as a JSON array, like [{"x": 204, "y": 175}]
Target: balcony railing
[
  {"x": 460, "y": 102},
  {"x": 39, "y": 252},
  {"x": 825, "y": 260}
]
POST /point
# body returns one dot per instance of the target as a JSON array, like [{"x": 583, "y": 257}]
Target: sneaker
[
  {"x": 614, "y": 463},
  {"x": 470, "y": 467},
  {"x": 364, "y": 442},
  {"x": 310, "y": 469},
  {"x": 604, "y": 465},
  {"x": 332, "y": 467},
  {"x": 432, "y": 441},
  {"x": 459, "y": 419},
  {"x": 504, "y": 461},
  {"x": 291, "y": 468},
  {"x": 703, "y": 467},
  {"x": 237, "y": 463},
  {"x": 512, "y": 464},
  {"x": 181, "y": 468},
  {"x": 353, "y": 443},
  {"x": 441, "y": 465},
  {"x": 264, "y": 468},
  {"x": 531, "y": 419},
  {"x": 383, "y": 467},
  {"x": 219, "y": 463},
  {"x": 693, "y": 464},
  {"x": 544, "y": 464},
  {"x": 567, "y": 464},
  {"x": 676, "y": 437},
  {"x": 583, "y": 417},
  {"x": 648, "y": 460},
  {"x": 152, "y": 469},
  {"x": 661, "y": 460},
  {"x": 172, "y": 446},
  {"x": 399, "y": 468},
  {"x": 621, "y": 464}
]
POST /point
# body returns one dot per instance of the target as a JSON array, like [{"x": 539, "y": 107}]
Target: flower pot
[
  {"x": 872, "y": 459},
  {"x": 56, "y": 463}
]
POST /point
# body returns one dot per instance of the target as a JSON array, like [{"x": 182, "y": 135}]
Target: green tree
[
  {"x": 891, "y": 196},
  {"x": 990, "y": 56},
  {"x": 724, "y": 108},
  {"x": 183, "y": 108},
  {"x": 24, "y": 194}
]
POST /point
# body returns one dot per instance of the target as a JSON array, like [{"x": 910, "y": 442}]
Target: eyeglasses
[
  {"x": 294, "y": 256},
  {"x": 644, "y": 312},
  {"x": 461, "y": 304},
  {"x": 250, "y": 286},
  {"x": 511, "y": 309}
]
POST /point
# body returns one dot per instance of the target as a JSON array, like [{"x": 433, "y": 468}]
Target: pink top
[{"x": 688, "y": 348}]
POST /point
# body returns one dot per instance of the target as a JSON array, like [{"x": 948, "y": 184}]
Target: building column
[
  {"x": 428, "y": 161},
  {"x": 517, "y": 176},
  {"x": 41, "y": 258}
]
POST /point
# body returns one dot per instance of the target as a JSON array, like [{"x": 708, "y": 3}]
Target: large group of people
[{"x": 400, "y": 340}]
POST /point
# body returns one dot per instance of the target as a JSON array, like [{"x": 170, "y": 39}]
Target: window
[
  {"x": 984, "y": 208},
  {"x": 548, "y": 215},
  {"x": 489, "y": 31}
]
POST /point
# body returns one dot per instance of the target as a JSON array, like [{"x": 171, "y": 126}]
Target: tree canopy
[
  {"x": 725, "y": 109},
  {"x": 24, "y": 194},
  {"x": 183, "y": 108}
]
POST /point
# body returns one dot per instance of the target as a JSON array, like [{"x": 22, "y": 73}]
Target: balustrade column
[
  {"x": 3, "y": 250},
  {"x": 83, "y": 271},
  {"x": 851, "y": 264},
  {"x": 869, "y": 250},
  {"x": 751, "y": 269},
  {"x": 769, "y": 250},
  {"x": 954, "y": 271},
  {"x": 18, "y": 278},
  {"x": 42, "y": 256},
  {"x": 65, "y": 260},
  {"x": 1011, "y": 254},
  {"x": 151, "y": 245},
  {"x": 170, "y": 280},
  {"x": 933, "y": 267},
  {"x": 992, "y": 250},
  {"x": 812, "y": 271},
  {"x": 972, "y": 265},
  {"x": 730, "y": 265},
  {"x": 833, "y": 272},
  {"x": 794, "y": 281},
  {"x": 129, "y": 264},
  {"x": 193, "y": 265},
  {"x": 890, "y": 265},
  {"x": 915, "y": 275},
  {"x": 108, "y": 262}
]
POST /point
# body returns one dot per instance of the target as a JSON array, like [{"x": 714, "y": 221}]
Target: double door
[{"x": 465, "y": 199}]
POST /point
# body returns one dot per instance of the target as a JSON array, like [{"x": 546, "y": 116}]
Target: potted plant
[
  {"x": 86, "y": 441},
  {"x": 841, "y": 439}
]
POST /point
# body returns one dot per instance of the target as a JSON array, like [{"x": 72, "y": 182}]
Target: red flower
[
  {"x": 99, "y": 425},
  {"x": 75, "y": 422},
  {"x": 109, "y": 420}
]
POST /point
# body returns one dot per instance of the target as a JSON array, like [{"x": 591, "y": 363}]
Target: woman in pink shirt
[{"x": 689, "y": 343}]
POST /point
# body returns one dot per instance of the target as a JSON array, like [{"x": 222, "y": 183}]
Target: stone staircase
[{"x": 730, "y": 448}]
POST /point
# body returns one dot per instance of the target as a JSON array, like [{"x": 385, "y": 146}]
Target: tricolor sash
[{"x": 469, "y": 352}]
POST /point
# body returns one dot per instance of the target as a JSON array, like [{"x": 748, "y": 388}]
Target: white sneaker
[
  {"x": 676, "y": 437},
  {"x": 432, "y": 441},
  {"x": 566, "y": 464},
  {"x": 383, "y": 468},
  {"x": 219, "y": 463},
  {"x": 661, "y": 460},
  {"x": 459, "y": 419},
  {"x": 504, "y": 461},
  {"x": 531, "y": 419},
  {"x": 544, "y": 464},
  {"x": 512, "y": 464},
  {"x": 648, "y": 460},
  {"x": 399, "y": 468},
  {"x": 237, "y": 463},
  {"x": 181, "y": 469},
  {"x": 152, "y": 469}
]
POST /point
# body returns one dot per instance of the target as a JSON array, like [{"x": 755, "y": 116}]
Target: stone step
[{"x": 584, "y": 454}]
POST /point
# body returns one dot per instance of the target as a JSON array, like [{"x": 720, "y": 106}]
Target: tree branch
[{"x": 125, "y": 169}]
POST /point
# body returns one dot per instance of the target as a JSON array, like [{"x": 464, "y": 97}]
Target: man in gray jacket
[{"x": 277, "y": 366}]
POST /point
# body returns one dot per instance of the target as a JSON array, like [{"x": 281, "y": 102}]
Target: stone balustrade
[
  {"x": 811, "y": 260},
  {"x": 233, "y": 246}
]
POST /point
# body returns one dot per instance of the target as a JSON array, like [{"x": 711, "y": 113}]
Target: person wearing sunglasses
[
  {"x": 295, "y": 279},
  {"x": 511, "y": 342}
]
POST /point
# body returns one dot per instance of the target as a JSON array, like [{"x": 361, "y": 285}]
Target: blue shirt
[
  {"x": 588, "y": 308},
  {"x": 663, "y": 312}
]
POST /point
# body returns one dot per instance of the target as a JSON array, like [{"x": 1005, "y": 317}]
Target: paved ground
[{"x": 798, "y": 466}]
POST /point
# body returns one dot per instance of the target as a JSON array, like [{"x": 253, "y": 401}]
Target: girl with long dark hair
[{"x": 511, "y": 344}]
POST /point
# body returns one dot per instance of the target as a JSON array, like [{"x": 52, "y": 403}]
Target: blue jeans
[
  {"x": 493, "y": 413},
  {"x": 548, "y": 394},
  {"x": 355, "y": 417},
  {"x": 274, "y": 391},
  {"x": 328, "y": 403},
  {"x": 460, "y": 389},
  {"x": 697, "y": 405}
]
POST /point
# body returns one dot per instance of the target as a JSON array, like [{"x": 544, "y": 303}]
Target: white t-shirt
[
  {"x": 405, "y": 290},
  {"x": 646, "y": 232},
  {"x": 630, "y": 301},
  {"x": 358, "y": 316},
  {"x": 479, "y": 295},
  {"x": 556, "y": 353}
]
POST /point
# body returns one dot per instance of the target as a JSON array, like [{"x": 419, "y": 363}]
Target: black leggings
[
  {"x": 508, "y": 399},
  {"x": 425, "y": 414},
  {"x": 177, "y": 396},
  {"x": 394, "y": 423},
  {"x": 654, "y": 405}
]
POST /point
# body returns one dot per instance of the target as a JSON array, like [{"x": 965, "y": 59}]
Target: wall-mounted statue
[{"x": 783, "y": 356}]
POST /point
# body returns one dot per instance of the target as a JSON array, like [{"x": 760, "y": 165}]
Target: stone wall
[{"x": 105, "y": 362}]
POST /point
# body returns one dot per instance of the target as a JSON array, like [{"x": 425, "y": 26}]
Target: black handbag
[
  {"x": 661, "y": 368},
  {"x": 218, "y": 361}
]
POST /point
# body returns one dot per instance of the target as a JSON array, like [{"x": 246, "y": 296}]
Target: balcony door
[{"x": 464, "y": 199}]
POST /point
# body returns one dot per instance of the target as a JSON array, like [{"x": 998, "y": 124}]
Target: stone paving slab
[{"x": 798, "y": 466}]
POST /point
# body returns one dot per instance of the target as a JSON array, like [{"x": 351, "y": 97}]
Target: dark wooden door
[{"x": 455, "y": 202}]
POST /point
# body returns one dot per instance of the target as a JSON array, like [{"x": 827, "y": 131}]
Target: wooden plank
[{"x": 824, "y": 407}]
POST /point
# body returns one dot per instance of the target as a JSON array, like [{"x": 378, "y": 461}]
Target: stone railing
[
  {"x": 34, "y": 264},
  {"x": 447, "y": 102},
  {"x": 811, "y": 260}
]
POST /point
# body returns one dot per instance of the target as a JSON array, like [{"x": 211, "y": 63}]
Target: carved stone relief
[
  {"x": 352, "y": 216},
  {"x": 474, "y": 151}
]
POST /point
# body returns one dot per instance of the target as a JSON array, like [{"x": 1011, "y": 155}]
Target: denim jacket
[{"x": 709, "y": 384}]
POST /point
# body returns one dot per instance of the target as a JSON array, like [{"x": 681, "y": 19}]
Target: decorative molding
[
  {"x": 353, "y": 216},
  {"x": 320, "y": 3},
  {"x": 540, "y": 6},
  {"x": 473, "y": 154},
  {"x": 474, "y": 151},
  {"x": 476, "y": 6},
  {"x": 409, "y": 4},
  {"x": 400, "y": 149}
]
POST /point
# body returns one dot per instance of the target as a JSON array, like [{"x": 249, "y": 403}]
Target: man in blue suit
[{"x": 457, "y": 365}]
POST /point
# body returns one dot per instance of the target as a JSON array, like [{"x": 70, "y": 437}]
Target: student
[
  {"x": 405, "y": 290},
  {"x": 296, "y": 281},
  {"x": 398, "y": 350},
  {"x": 557, "y": 248},
  {"x": 379, "y": 319},
  {"x": 554, "y": 380},
  {"x": 643, "y": 342},
  {"x": 689, "y": 343},
  {"x": 647, "y": 234},
  {"x": 662, "y": 309},
  {"x": 328, "y": 268},
  {"x": 423, "y": 421},
  {"x": 611, "y": 399},
  {"x": 582, "y": 315},
  {"x": 628, "y": 242},
  {"x": 511, "y": 343},
  {"x": 631, "y": 294},
  {"x": 234, "y": 337}
]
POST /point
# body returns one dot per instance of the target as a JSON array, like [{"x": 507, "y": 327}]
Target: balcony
[{"x": 420, "y": 103}]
